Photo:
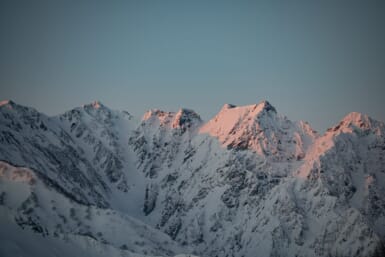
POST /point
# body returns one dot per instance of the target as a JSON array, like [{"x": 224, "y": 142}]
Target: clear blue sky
[{"x": 313, "y": 60}]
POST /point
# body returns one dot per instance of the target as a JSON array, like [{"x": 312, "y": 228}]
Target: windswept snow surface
[{"x": 249, "y": 182}]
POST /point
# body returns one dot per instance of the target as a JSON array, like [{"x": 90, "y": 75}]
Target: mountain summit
[{"x": 259, "y": 128}]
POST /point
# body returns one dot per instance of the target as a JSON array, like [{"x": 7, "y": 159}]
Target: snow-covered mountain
[{"x": 249, "y": 182}]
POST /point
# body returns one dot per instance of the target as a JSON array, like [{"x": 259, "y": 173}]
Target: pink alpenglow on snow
[{"x": 258, "y": 127}]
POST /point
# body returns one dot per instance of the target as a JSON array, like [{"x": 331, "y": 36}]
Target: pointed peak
[
  {"x": 355, "y": 120},
  {"x": 358, "y": 120},
  {"x": 228, "y": 106},
  {"x": 187, "y": 112},
  {"x": 185, "y": 118},
  {"x": 94, "y": 105},
  {"x": 5, "y": 102},
  {"x": 155, "y": 113},
  {"x": 9, "y": 104},
  {"x": 265, "y": 105},
  {"x": 355, "y": 117}
]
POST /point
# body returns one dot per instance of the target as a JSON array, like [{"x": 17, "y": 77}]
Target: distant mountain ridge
[{"x": 249, "y": 181}]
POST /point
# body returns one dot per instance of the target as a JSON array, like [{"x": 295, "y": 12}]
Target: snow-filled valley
[{"x": 249, "y": 182}]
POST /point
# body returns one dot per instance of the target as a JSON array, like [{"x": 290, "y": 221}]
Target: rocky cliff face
[{"x": 248, "y": 181}]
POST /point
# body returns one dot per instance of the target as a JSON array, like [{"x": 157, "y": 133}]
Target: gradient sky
[{"x": 313, "y": 60}]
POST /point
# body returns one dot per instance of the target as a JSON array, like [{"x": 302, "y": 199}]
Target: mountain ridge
[
  {"x": 248, "y": 180},
  {"x": 266, "y": 105}
]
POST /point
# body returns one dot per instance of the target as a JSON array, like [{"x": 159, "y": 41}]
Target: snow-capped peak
[
  {"x": 11, "y": 105},
  {"x": 355, "y": 120},
  {"x": 259, "y": 128},
  {"x": 98, "y": 110},
  {"x": 249, "y": 110},
  {"x": 6, "y": 102},
  {"x": 228, "y": 106},
  {"x": 7, "y": 105},
  {"x": 184, "y": 118},
  {"x": 231, "y": 118},
  {"x": 156, "y": 114},
  {"x": 94, "y": 105},
  {"x": 266, "y": 106}
]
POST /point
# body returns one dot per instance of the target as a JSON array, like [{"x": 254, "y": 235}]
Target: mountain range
[{"x": 249, "y": 182}]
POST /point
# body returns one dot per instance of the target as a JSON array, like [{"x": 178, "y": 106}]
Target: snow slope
[{"x": 34, "y": 215}]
